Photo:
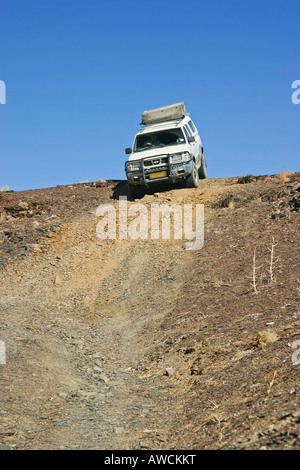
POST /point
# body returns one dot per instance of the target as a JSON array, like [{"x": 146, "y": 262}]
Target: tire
[
  {"x": 136, "y": 192},
  {"x": 193, "y": 180},
  {"x": 202, "y": 169}
]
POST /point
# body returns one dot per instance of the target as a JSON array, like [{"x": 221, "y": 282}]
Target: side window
[
  {"x": 186, "y": 133},
  {"x": 187, "y": 130},
  {"x": 191, "y": 124},
  {"x": 190, "y": 127}
]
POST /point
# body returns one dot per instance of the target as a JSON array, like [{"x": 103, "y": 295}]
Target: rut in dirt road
[{"x": 92, "y": 309}]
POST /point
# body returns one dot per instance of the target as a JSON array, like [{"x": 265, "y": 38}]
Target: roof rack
[
  {"x": 172, "y": 123},
  {"x": 177, "y": 121}
]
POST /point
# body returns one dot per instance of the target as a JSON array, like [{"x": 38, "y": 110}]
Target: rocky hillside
[{"x": 142, "y": 344}]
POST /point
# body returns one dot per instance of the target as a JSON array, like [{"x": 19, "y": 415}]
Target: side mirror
[
  {"x": 191, "y": 139},
  {"x": 128, "y": 150}
]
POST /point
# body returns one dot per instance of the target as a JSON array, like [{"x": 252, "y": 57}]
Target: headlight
[
  {"x": 180, "y": 157},
  {"x": 131, "y": 166}
]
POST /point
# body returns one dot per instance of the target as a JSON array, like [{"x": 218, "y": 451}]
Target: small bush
[{"x": 282, "y": 177}]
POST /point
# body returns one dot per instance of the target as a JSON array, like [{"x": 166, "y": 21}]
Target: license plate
[{"x": 158, "y": 174}]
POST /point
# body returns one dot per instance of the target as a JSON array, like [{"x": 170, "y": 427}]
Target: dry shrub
[
  {"x": 282, "y": 177},
  {"x": 264, "y": 338}
]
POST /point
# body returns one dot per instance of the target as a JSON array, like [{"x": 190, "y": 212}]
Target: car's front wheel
[
  {"x": 193, "y": 179},
  {"x": 202, "y": 169}
]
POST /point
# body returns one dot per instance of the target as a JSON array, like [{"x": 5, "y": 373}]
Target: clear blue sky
[{"x": 79, "y": 73}]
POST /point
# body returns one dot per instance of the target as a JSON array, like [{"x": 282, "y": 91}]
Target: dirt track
[{"x": 141, "y": 344}]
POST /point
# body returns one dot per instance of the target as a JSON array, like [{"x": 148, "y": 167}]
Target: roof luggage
[{"x": 166, "y": 113}]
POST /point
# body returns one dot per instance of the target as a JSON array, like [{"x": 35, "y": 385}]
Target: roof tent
[{"x": 166, "y": 113}]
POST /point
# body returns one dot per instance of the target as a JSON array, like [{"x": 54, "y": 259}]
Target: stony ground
[{"x": 142, "y": 344}]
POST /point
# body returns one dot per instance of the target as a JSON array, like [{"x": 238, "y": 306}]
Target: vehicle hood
[{"x": 155, "y": 152}]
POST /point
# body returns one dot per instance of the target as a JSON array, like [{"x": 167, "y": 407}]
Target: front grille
[
  {"x": 155, "y": 161},
  {"x": 155, "y": 165}
]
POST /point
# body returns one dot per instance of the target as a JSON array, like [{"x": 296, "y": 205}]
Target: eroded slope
[{"x": 133, "y": 344}]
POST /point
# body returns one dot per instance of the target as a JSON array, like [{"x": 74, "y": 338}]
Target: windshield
[{"x": 158, "y": 139}]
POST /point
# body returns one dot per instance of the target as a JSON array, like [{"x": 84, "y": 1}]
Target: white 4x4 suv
[{"x": 168, "y": 148}]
